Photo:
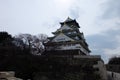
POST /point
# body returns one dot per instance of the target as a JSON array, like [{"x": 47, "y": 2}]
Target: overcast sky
[{"x": 99, "y": 20}]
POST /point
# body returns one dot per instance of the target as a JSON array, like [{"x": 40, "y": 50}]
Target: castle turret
[{"x": 68, "y": 40}]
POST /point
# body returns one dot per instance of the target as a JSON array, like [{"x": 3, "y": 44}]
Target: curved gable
[{"x": 61, "y": 37}]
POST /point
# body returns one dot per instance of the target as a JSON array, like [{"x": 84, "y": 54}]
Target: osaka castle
[{"x": 67, "y": 40}]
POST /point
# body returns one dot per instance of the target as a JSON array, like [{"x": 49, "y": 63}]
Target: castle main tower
[{"x": 67, "y": 40}]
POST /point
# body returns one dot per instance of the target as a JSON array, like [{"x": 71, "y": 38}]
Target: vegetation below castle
[{"x": 29, "y": 66}]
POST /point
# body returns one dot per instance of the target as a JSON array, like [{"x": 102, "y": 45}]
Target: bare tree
[
  {"x": 37, "y": 47},
  {"x": 42, "y": 37},
  {"x": 33, "y": 42},
  {"x": 26, "y": 38}
]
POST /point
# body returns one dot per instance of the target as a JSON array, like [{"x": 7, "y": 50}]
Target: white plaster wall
[
  {"x": 72, "y": 47},
  {"x": 116, "y": 76},
  {"x": 61, "y": 37},
  {"x": 102, "y": 70},
  {"x": 65, "y": 27}
]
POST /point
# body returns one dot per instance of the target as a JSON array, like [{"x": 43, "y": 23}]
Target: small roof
[
  {"x": 65, "y": 27},
  {"x": 62, "y": 37},
  {"x": 68, "y": 19}
]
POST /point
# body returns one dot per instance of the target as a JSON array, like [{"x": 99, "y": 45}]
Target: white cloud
[
  {"x": 112, "y": 52},
  {"x": 28, "y": 15},
  {"x": 109, "y": 24}
]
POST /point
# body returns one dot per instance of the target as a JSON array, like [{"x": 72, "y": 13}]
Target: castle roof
[
  {"x": 62, "y": 37},
  {"x": 68, "y": 36},
  {"x": 68, "y": 19}
]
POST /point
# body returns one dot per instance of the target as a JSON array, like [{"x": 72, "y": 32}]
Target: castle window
[
  {"x": 95, "y": 62},
  {"x": 76, "y": 38},
  {"x": 110, "y": 67},
  {"x": 69, "y": 32},
  {"x": 74, "y": 32},
  {"x": 96, "y": 69}
]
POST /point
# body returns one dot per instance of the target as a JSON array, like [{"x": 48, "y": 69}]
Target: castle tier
[{"x": 68, "y": 40}]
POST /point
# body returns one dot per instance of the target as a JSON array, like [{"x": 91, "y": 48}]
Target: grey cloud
[
  {"x": 106, "y": 43},
  {"x": 112, "y": 9},
  {"x": 99, "y": 42},
  {"x": 109, "y": 18},
  {"x": 105, "y": 40}
]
